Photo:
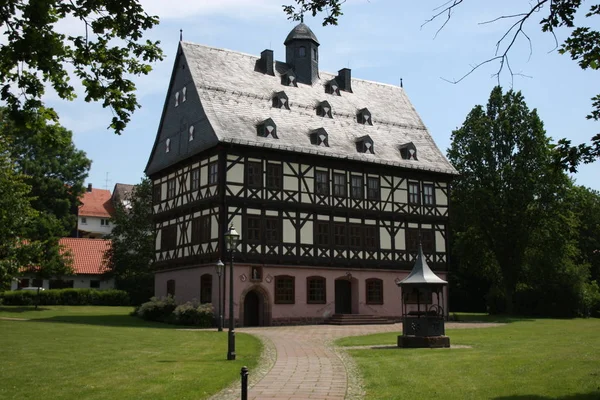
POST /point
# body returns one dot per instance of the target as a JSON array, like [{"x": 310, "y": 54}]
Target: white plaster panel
[
  {"x": 236, "y": 174},
  {"x": 413, "y": 225},
  {"x": 309, "y": 172},
  {"x": 214, "y": 227},
  {"x": 440, "y": 243},
  {"x": 385, "y": 241},
  {"x": 400, "y": 240},
  {"x": 305, "y": 198},
  {"x": 271, "y": 213},
  {"x": 290, "y": 183},
  {"x": 440, "y": 198},
  {"x": 289, "y": 232},
  {"x": 355, "y": 221},
  {"x": 157, "y": 240},
  {"x": 253, "y": 211},
  {"x": 323, "y": 217},
  {"x": 425, "y": 226},
  {"x": 203, "y": 176},
  {"x": 307, "y": 233},
  {"x": 370, "y": 222},
  {"x": 163, "y": 191},
  {"x": 339, "y": 219},
  {"x": 287, "y": 168},
  {"x": 401, "y": 196}
]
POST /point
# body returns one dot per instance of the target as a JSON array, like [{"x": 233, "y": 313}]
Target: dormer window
[
  {"x": 191, "y": 133},
  {"x": 167, "y": 145},
  {"x": 267, "y": 129},
  {"x": 301, "y": 51},
  {"x": 319, "y": 137},
  {"x": 364, "y": 117},
  {"x": 289, "y": 79},
  {"x": 408, "y": 151},
  {"x": 365, "y": 145},
  {"x": 280, "y": 100},
  {"x": 324, "y": 109},
  {"x": 332, "y": 87},
  {"x": 183, "y": 94},
  {"x": 176, "y": 99}
]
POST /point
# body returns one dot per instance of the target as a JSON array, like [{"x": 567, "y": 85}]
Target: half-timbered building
[{"x": 330, "y": 180}]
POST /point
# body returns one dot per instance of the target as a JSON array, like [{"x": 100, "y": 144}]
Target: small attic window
[
  {"x": 191, "y": 133},
  {"x": 408, "y": 151},
  {"x": 176, "y": 99},
  {"x": 267, "y": 128},
  {"x": 324, "y": 109},
  {"x": 167, "y": 145},
  {"x": 183, "y": 94},
  {"x": 280, "y": 100},
  {"x": 365, "y": 145},
  {"x": 301, "y": 51},
  {"x": 364, "y": 117},
  {"x": 319, "y": 137},
  {"x": 332, "y": 87},
  {"x": 289, "y": 79}
]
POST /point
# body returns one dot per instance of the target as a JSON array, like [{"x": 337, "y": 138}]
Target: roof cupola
[{"x": 302, "y": 53}]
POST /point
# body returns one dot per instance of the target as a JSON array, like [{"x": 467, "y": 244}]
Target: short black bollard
[{"x": 244, "y": 375}]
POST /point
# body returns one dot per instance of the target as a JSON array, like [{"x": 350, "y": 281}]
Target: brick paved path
[{"x": 308, "y": 366}]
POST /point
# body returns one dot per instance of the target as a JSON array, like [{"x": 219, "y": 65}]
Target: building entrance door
[
  {"x": 343, "y": 296},
  {"x": 252, "y": 309}
]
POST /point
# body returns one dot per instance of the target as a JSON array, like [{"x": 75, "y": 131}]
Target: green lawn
[
  {"x": 526, "y": 359},
  {"x": 103, "y": 353}
]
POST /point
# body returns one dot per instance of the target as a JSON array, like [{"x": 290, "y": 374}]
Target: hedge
[
  {"x": 65, "y": 297},
  {"x": 164, "y": 309}
]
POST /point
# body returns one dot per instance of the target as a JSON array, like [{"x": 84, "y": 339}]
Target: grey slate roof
[
  {"x": 421, "y": 274},
  {"x": 236, "y": 98},
  {"x": 302, "y": 32}
]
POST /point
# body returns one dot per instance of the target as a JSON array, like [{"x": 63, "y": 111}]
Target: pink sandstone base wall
[{"x": 187, "y": 288}]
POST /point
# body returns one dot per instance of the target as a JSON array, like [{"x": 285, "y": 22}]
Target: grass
[
  {"x": 523, "y": 360},
  {"x": 103, "y": 353}
]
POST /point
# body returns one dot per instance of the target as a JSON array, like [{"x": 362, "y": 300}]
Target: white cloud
[{"x": 182, "y": 9}]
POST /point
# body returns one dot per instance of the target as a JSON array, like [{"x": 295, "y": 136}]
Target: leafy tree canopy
[
  {"x": 582, "y": 44},
  {"x": 506, "y": 188},
  {"x": 108, "y": 51},
  {"x": 132, "y": 251}
]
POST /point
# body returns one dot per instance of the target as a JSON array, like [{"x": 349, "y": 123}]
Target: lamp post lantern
[
  {"x": 231, "y": 241},
  {"x": 219, "y": 268}
]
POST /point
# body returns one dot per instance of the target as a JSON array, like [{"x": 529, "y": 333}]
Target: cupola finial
[{"x": 181, "y": 35}]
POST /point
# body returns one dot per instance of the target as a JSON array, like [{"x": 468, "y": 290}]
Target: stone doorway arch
[{"x": 255, "y": 306}]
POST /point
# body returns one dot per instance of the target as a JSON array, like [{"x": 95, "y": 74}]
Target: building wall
[
  {"x": 94, "y": 227},
  {"x": 79, "y": 282},
  {"x": 187, "y": 287}
]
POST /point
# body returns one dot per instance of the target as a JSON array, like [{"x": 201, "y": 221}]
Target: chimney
[
  {"x": 266, "y": 61},
  {"x": 344, "y": 79},
  {"x": 89, "y": 189}
]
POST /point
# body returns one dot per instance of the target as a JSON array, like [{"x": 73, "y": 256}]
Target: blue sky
[{"x": 380, "y": 41}]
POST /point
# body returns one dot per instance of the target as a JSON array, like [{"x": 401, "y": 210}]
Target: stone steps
[{"x": 358, "y": 319}]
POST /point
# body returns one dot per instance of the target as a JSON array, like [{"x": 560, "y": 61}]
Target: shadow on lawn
[
  {"x": 22, "y": 309},
  {"x": 595, "y": 395},
  {"x": 106, "y": 320}
]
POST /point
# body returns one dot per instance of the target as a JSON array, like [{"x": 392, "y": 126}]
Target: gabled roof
[
  {"x": 96, "y": 203},
  {"x": 421, "y": 274},
  {"x": 87, "y": 254},
  {"x": 235, "y": 98},
  {"x": 122, "y": 191}
]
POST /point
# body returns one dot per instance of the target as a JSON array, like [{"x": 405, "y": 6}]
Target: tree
[
  {"x": 131, "y": 254},
  {"x": 51, "y": 166},
  {"x": 582, "y": 44},
  {"x": 585, "y": 203},
  {"x": 506, "y": 187},
  {"x": 16, "y": 214},
  {"x": 108, "y": 50}
]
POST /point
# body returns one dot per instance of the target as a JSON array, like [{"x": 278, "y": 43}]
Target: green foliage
[
  {"x": 164, "y": 309},
  {"x": 107, "y": 49},
  {"x": 70, "y": 297},
  {"x": 131, "y": 254},
  {"x": 333, "y": 10},
  {"x": 16, "y": 215},
  {"x": 507, "y": 187}
]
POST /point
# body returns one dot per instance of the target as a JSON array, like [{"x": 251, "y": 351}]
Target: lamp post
[
  {"x": 231, "y": 241},
  {"x": 219, "y": 268}
]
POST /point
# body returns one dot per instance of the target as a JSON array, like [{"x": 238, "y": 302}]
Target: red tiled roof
[
  {"x": 88, "y": 254},
  {"x": 96, "y": 203}
]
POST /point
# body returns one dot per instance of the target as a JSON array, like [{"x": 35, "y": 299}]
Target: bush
[
  {"x": 67, "y": 297},
  {"x": 165, "y": 309},
  {"x": 195, "y": 314},
  {"x": 157, "y": 309}
]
